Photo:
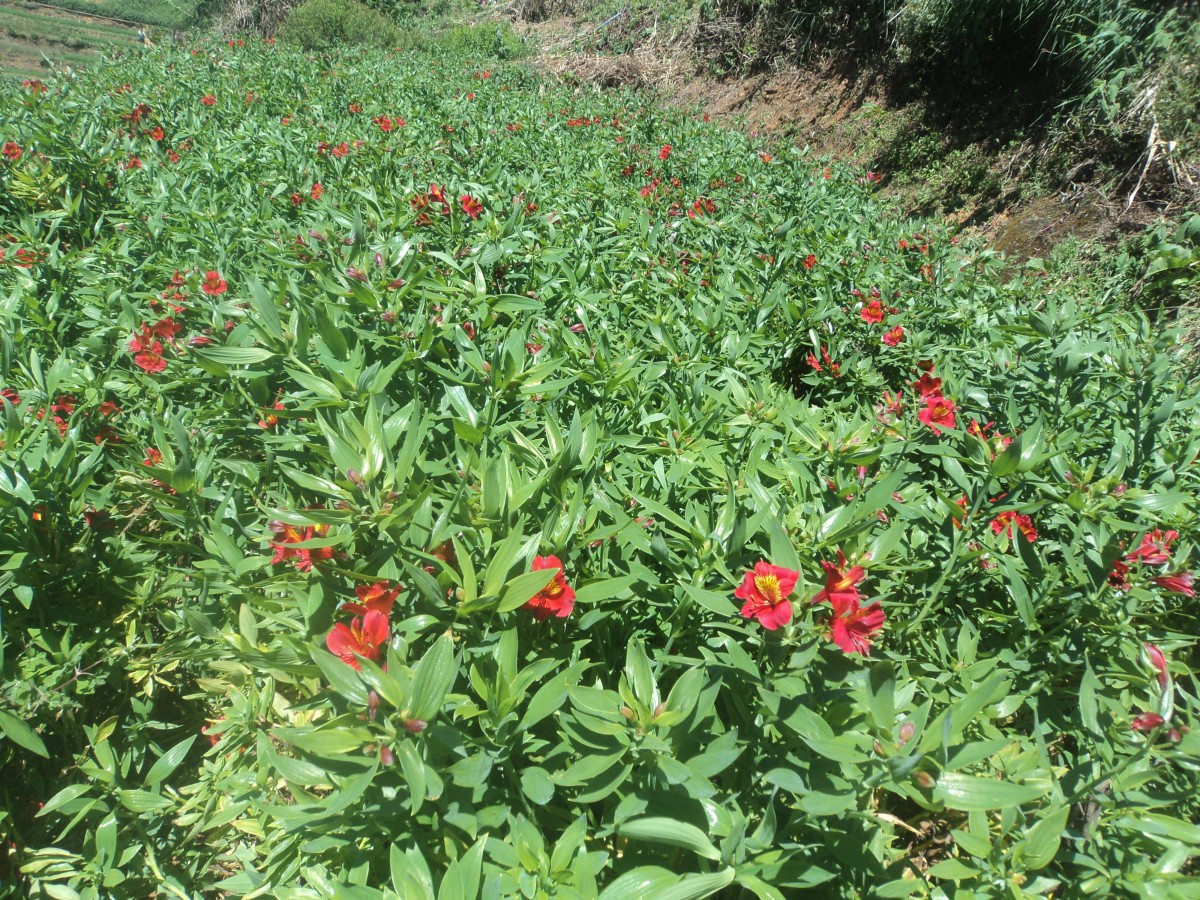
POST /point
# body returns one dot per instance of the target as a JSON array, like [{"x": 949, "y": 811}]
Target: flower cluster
[
  {"x": 1154, "y": 551},
  {"x": 766, "y": 588}
]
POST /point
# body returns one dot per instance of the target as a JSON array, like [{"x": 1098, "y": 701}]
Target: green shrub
[{"x": 322, "y": 24}]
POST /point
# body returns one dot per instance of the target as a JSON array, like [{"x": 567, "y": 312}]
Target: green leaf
[
  {"x": 520, "y": 590},
  {"x": 969, "y": 792},
  {"x": 433, "y": 677},
  {"x": 1042, "y": 841},
  {"x": 169, "y": 762},
  {"x": 22, "y": 735},
  {"x": 662, "y": 830},
  {"x": 341, "y": 677}
]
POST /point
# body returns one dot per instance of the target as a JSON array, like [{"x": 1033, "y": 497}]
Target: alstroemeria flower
[
  {"x": 764, "y": 592},
  {"x": 213, "y": 283},
  {"x": 927, "y": 385},
  {"x": 471, "y": 206},
  {"x": 555, "y": 599},
  {"x": 1003, "y": 524},
  {"x": 938, "y": 413},
  {"x": 292, "y": 534},
  {"x": 150, "y": 359},
  {"x": 894, "y": 336},
  {"x": 1177, "y": 583},
  {"x": 1155, "y": 548},
  {"x": 377, "y": 597},
  {"x": 363, "y": 637},
  {"x": 872, "y": 313},
  {"x": 841, "y": 584},
  {"x": 852, "y": 625}
]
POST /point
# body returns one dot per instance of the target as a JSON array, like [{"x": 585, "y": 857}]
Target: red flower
[
  {"x": 1155, "y": 549},
  {"x": 317, "y": 191},
  {"x": 1177, "y": 583},
  {"x": 1146, "y": 722},
  {"x": 810, "y": 261},
  {"x": 384, "y": 122},
  {"x": 153, "y": 457},
  {"x": 270, "y": 420},
  {"x": 1159, "y": 661},
  {"x": 872, "y": 313},
  {"x": 156, "y": 133},
  {"x": 555, "y": 599},
  {"x": 378, "y": 597},
  {"x": 765, "y": 157},
  {"x": 150, "y": 358},
  {"x": 1117, "y": 579},
  {"x": 133, "y": 163},
  {"x": 341, "y": 150},
  {"x": 841, "y": 584},
  {"x": 765, "y": 590},
  {"x": 12, "y": 152},
  {"x": 363, "y": 637},
  {"x": 108, "y": 408},
  {"x": 208, "y": 100},
  {"x": 1003, "y": 524},
  {"x": 852, "y": 626},
  {"x": 470, "y": 206},
  {"x": 296, "y": 198},
  {"x": 894, "y": 336},
  {"x": 938, "y": 412},
  {"x": 213, "y": 283},
  {"x": 355, "y": 108},
  {"x": 665, "y": 151},
  {"x": 291, "y": 534},
  {"x": 928, "y": 386},
  {"x": 11, "y": 396}
]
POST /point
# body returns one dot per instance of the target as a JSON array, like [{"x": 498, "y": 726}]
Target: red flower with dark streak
[
  {"x": 363, "y": 637},
  {"x": 150, "y": 359},
  {"x": 765, "y": 590},
  {"x": 852, "y": 626},
  {"x": 378, "y": 597},
  {"x": 156, "y": 133},
  {"x": 1003, "y": 524},
  {"x": 1118, "y": 578},
  {"x": 928, "y": 386},
  {"x": 872, "y": 313},
  {"x": 810, "y": 261},
  {"x": 12, "y": 152},
  {"x": 938, "y": 413},
  {"x": 557, "y": 598},
  {"x": 1155, "y": 548},
  {"x": 288, "y": 535},
  {"x": 841, "y": 584},
  {"x": 894, "y": 336},
  {"x": 213, "y": 283},
  {"x": 471, "y": 206},
  {"x": 1177, "y": 583},
  {"x": 665, "y": 152}
]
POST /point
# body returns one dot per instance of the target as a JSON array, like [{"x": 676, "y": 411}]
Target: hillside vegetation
[{"x": 422, "y": 479}]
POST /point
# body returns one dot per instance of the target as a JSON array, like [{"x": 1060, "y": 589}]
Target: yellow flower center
[{"x": 768, "y": 586}]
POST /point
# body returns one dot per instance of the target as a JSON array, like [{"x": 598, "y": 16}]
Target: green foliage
[
  {"x": 285, "y": 336},
  {"x": 325, "y": 24}
]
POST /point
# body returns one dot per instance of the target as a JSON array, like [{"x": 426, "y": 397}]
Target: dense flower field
[{"x": 421, "y": 480}]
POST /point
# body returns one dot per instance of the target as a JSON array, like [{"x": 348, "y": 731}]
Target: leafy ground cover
[{"x": 422, "y": 480}]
